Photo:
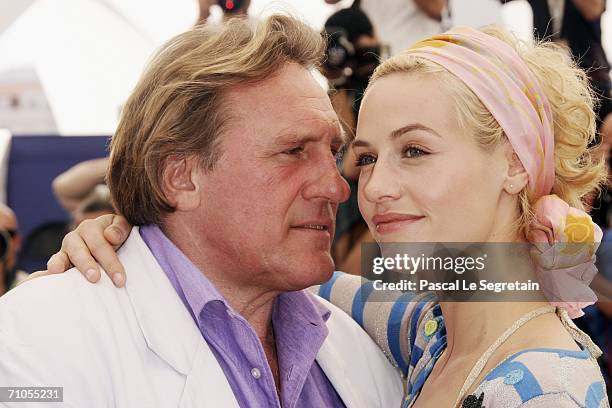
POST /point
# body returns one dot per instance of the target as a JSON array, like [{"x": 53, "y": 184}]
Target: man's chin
[
  {"x": 315, "y": 273},
  {"x": 323, "y": 276}
]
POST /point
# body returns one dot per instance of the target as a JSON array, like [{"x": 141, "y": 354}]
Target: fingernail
[
  {"x": 90, "y": 273},
  {"x": 118, "y": 279},
  {"x": 116, "y": 233}
]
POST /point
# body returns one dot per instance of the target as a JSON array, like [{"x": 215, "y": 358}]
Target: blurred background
[{"x": 67, "y": 65}]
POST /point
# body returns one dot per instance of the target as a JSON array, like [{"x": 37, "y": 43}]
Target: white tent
[
  {"x": 88, "y": 54},
  {"x": 86, "y": 57}
]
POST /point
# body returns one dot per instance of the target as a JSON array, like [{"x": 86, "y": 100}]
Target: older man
[{"x": 225, "y": 158}]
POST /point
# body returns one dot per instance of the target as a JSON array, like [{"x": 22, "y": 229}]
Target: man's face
[{"x": 269, "y": 205}]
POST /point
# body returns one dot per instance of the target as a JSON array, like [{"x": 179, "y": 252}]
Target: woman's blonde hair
[
  {"x": 177, "y": 107},
  {"x": 577, "y": 171}
]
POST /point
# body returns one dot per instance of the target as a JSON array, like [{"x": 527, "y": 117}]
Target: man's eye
[
  {"x": 339, "y": 152},
  {"x": 364, "y": 160},
  {"x": 294, "y": 151},
  {"x": 413, "y": 152}
]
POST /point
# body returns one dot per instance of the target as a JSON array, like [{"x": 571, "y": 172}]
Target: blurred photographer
[
  {"x": 353, "y": 52},
  {"x": 230, "y": 8},
  {"x": 10, "y": 242},
  {"x": 401, "y": 23}
]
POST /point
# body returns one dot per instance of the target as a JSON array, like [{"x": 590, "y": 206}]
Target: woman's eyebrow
[
  {"x": 358, "y": 143},
  {"x": 398, "y": 132},
  {"x": 411, "y": 127}
]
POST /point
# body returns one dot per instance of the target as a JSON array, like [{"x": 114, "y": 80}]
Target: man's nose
[{"x": 329, "y": 185}]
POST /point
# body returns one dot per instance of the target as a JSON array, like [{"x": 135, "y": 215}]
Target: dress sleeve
[{"x": 391, "y": 320}]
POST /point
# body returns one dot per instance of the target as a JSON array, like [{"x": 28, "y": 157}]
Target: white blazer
[{"x": 139, "y": 347}]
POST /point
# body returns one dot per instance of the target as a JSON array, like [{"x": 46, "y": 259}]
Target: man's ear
[
  {"x": 517, "y": 177},
  {"x": 181, "y": 179}
]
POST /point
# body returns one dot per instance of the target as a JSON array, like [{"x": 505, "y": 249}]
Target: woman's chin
[{"x": 400, "y": 237}]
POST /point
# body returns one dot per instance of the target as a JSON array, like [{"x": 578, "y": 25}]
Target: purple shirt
[{"x": 299, "y": 327}]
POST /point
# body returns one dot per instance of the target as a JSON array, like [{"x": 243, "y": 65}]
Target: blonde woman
[{"x": 470, "y": 136}]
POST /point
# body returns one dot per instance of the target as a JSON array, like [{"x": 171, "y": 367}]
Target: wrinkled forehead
[
  {"x": 401, "y": 99},
  {"x": 291, "y": 102}
]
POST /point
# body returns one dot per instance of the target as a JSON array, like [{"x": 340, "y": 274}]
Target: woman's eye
[
  {"x": 365, "y": 159},
  {"x": 413, "y": 151}
]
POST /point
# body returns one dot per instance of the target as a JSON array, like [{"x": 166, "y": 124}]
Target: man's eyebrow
[
  {"x": 340, "y": 138},
  {"x": 398, "y": 132},
  {"x": 293, "y": 139}
]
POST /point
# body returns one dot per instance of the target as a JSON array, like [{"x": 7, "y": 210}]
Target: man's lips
[
  {"x": 323, "y": 225},
  {"x": 389, "y": 222}
]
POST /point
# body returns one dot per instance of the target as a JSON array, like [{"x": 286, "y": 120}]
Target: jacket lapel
[
  {"x": 331, "y": 359},
  {"x": 169, "y": 329},
  {"x": 356, "y": 367}
]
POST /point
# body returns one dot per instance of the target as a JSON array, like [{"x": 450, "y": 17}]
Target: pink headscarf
[{"x": 564, "y": 238}]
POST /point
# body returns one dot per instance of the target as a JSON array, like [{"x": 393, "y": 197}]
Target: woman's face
[{"x": 423, "y": 177}]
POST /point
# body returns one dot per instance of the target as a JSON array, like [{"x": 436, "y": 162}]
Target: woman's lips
[{"x": 390, "y": 222}]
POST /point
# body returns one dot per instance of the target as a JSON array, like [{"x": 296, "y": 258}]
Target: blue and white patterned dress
[{"x": 411, "y": 332}]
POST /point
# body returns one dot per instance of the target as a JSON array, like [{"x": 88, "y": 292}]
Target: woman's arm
[
  {"x": 390, "y": 320},
  {"x": 93, "y": 240}
]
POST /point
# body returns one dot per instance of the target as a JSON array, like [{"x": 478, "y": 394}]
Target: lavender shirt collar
[
  {"x": 299, "y": 325},
  {"x": 196, "y": 290}
]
